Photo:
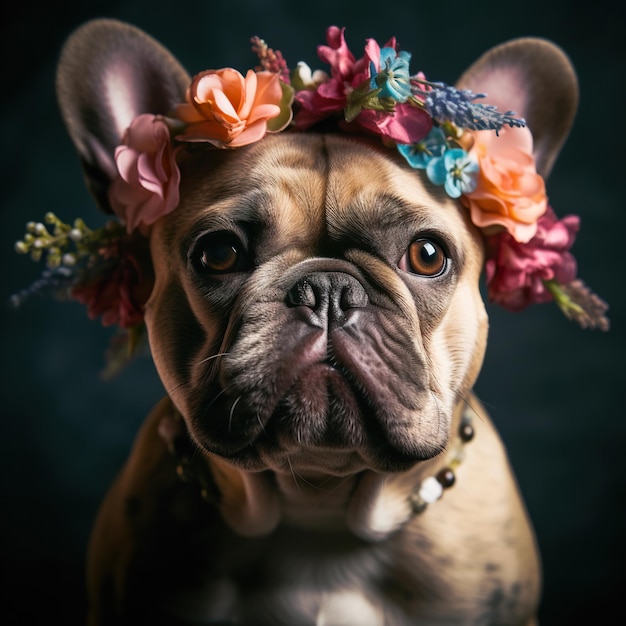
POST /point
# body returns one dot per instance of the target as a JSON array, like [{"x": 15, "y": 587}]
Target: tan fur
[
  {"x": 472, "y": 548},
  {"x": 319, "y": 384}
]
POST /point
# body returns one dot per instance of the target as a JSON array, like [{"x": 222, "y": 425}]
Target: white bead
[
  {"x": 430, "y": 490},
  {"x": 348, "y": 607}
]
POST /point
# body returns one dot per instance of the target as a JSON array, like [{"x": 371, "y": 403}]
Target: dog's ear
[
  {"x": 110, "y": 72},
  {"x": 534, "y": 78}
]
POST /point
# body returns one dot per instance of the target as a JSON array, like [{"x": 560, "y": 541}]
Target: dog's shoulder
[
  {"x": 495, "y": 545},
  {"x": 147, "y": 523}
]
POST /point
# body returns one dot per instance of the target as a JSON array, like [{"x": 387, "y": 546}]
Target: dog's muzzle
[{"x": 325, "y": 367}]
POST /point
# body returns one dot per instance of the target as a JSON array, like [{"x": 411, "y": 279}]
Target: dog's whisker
[
  {"x": 175, "y": 387},
  {"x": 214, "y": 400},
  {"x": 294, "y": 475},
  {"x": 261, "y": 424},
  {"x": 210, "y": 358},
  {"x": 468, "y": 403},
  {"x": 326, "y": 493},
  {"x": 440, "y": 420},
  {"x": 470, "y": 406},
  {"x": 231, "y": 412},
  {"x": 206, "y": 375},
  {"x": 436, "y": 401},
  {"x": 320, "y": 486},
  {"x": 216, "y": 397}
]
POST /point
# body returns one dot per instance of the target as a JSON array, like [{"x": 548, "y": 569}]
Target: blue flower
[
  {"x": 393, "y": 79},
  {"x": 419, "y": 154},
  {"x": 456, "y": 170}
]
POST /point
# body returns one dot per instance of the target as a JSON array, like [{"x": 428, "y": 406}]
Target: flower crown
[{"x": 479, "y": 155}]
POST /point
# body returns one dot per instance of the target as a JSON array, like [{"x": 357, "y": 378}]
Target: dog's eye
[
  {"x": 425, "y": 257},
  {"x": 219, "y": 253}
]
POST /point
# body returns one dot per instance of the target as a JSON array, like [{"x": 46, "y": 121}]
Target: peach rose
[
  {"x": 509, "y": 192},
  {"x": 147, "y": 185},
  {"x": 228, "y": 110}
]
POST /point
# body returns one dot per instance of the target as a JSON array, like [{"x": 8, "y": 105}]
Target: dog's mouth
[
  {"x": 329, "y": 420},
  {"x": 331, "y": 414},
  {"x": 326, "y": 406}
]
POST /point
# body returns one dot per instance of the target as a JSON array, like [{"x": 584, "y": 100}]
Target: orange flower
[
  {"x": 229, "y": 110},
  {"x": 509, "y": 192}
]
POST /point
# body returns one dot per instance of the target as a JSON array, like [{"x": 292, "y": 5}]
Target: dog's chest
[
  {"x": 312, "y": 579},
  {"x": 307, "y": 579}
]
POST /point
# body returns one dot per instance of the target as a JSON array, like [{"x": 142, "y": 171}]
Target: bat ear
[
  {"x": 108, "y": 74},
  {"x": 534, "y": 78}
]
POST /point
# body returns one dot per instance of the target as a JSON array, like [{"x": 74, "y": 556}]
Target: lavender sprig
[
  {"x": 448, "y": 104},
  {"x": 270, "y": 60},
  {"x": 580, "y": 304},
  {"x": 55, "y": 282}
]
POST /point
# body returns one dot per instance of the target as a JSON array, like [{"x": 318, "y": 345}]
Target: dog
[{"x": 317, "y": 322}]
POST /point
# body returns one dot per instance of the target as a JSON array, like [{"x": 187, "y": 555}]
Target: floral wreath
[{"x": 435, "y": 127}]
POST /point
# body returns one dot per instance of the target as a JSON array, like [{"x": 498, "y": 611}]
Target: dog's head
[
  {"x": 316, "y": 300},
  {"x": 315, "y": 303}
]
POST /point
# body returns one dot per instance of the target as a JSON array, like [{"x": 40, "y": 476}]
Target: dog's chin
[{"x": 325, "y": 423}]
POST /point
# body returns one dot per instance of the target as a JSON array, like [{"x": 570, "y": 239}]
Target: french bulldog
[{"x": 317, "y": 322}]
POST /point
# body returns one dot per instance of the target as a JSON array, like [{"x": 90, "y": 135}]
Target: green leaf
[{"x": 283, "y": 119}]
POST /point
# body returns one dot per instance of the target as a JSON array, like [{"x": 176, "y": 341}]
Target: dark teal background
[{"x": 552, "y": 388}]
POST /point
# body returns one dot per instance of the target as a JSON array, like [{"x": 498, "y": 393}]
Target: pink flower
[
  {"x": 147, "y": 185},
  {"x": 516, "y": 271},
  {"x": 119, "y": 290},
  {"x": 331, "y": 96},
  {"x": 509, "y": 192},
  {"x": 227, "y": 110},
  {"x": 407, "y": 124},
  {"x": 338, "y": 55}
]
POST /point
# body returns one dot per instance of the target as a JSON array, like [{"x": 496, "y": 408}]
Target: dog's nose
[{"x": 328, "y": 299}]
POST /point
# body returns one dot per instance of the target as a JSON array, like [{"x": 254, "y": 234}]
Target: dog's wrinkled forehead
[{"x": 320, "y": 192}]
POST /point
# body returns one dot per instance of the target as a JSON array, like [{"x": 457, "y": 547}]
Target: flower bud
[{"x": 69, "y": 259}]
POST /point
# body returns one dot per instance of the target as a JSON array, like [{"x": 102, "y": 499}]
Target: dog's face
[
  {"x": 316, "y": 306},
  {"x": 317, "y": 303}
]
